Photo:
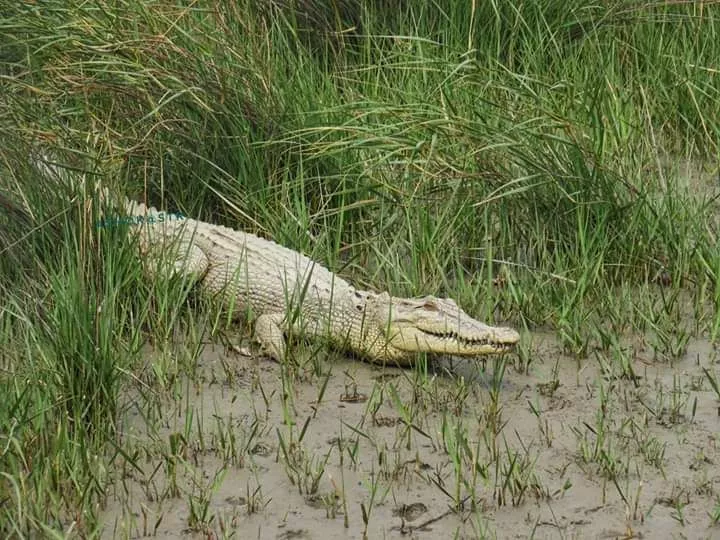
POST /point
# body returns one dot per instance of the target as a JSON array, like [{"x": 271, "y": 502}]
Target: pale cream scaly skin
[
  {"x": 288, "y": 293},
  {"x": 285, "y": 293}
]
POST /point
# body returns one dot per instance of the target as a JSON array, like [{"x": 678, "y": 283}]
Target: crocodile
[{"x": 288, "y": 294}]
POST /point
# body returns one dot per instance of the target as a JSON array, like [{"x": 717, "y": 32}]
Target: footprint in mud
[
  {"x": 410, "y": 512},
  {"x": 292, "y": 534},
  {"x": 323, "y": 502}
]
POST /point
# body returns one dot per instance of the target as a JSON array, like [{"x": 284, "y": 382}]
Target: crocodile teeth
[{"x": 478, "y": 341}]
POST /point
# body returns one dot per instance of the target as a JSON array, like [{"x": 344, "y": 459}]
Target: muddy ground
[{"x": 562, "y": 451}]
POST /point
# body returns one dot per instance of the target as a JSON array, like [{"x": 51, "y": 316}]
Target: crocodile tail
[{"x": 77, "y": 183}]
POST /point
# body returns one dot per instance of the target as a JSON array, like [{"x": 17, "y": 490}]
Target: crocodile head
[{"x": 434, "y": 325}]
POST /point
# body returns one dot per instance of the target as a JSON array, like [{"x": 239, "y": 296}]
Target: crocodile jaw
[
  {"x": 489, "y": 340},
  {"x": 438, "y": 326}
]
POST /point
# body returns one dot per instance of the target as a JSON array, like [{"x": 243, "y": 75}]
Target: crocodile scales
[{"x": 287, "y": 293}]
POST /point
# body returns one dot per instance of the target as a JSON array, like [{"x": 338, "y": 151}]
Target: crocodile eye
[{"x": 430, "y": 306}]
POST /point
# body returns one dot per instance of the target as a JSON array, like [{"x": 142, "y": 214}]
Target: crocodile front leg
[{"x": 269, "y": 333}]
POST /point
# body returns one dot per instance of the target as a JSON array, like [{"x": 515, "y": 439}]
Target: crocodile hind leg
[{"x": 269, "y": 333}]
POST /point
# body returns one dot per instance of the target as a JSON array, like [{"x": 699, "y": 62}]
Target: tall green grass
[{"x": 519, "y": 156}]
